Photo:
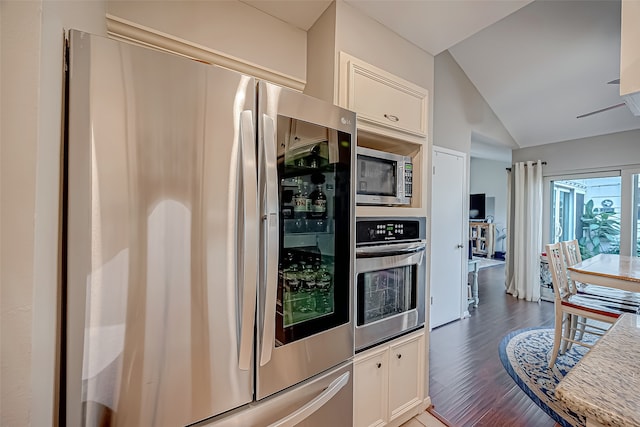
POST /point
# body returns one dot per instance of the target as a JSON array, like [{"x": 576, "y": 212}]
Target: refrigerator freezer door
[
  {"x": 162, "y": 237},
  {"x": 326, "y": 400}
]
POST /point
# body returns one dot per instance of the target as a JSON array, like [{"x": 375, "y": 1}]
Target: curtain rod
[{"x": 543, "y": 163}]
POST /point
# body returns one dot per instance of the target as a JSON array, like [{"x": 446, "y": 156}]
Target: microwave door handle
[
  {"x": 270, "y": 245},
  {"x": 313, "y": 405},
  {"x": 247, "y": 250}
]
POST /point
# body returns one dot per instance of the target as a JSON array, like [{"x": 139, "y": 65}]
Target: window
[{"x": 587, "y": 208}]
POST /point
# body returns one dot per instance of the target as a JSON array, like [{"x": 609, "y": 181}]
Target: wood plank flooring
[{"x": 468, "y": 384}]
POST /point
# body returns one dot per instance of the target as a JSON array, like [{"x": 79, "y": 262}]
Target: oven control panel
[{"x": 380, "y": 230}]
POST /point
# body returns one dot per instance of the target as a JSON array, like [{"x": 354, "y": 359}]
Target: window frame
[{"x": 628, "y": 223}]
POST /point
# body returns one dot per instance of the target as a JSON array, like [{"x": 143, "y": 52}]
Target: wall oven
[
  {"x": 390, "y": 278},
  {"x": 383, "y": 178}
]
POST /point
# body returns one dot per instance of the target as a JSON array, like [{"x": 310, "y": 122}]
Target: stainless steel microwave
[{"x": 383, "y": 178}]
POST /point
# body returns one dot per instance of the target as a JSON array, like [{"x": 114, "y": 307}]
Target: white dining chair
[
  {"x": 572, "y": 311},
  {"x": 617, "y": 298}
]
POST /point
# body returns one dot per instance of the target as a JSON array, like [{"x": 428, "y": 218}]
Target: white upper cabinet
[
  {"x": 385, "y": 103},
  {"x": 629, "y": 51},
  {"x": 630, "y": 55}
]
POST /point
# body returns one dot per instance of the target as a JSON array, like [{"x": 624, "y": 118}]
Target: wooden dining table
[{"x": 614, "y": 271}]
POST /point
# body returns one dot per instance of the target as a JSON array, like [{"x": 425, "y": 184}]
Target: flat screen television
[{"x": 477, "y": 206}]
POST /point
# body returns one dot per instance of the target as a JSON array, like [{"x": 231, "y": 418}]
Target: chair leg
[
  {"x": 557, "y": 337},
  {"x": 567, "y": 322},
  {"x": 583, "y": 324},
  {"x": 571, "y": 333}
]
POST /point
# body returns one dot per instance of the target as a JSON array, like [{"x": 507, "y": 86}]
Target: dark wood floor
[{"x": 468, "y": 384}]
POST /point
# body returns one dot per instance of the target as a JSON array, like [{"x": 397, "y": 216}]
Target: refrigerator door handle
[
  {"x": 314, "y": 404},
  {"x": 248, "y": 251},
  {"x": 270, "y": 246}
]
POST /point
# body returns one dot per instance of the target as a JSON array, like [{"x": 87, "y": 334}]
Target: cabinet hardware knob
[
  {"x": 399, "y": 356},
  {"x": 392, "y": 118},
  {"x": 379, "y": 365},
  {"x": 460, "y": 246}
]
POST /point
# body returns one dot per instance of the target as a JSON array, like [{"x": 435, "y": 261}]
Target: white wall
[
  {"x": 603, "y": 152},
  {"x": 490, "y": 177},
  {"x": 370, "y": 41},
  {"x": 231, "y": 27},
  {"x": 32, "y": 87},
  {"x": 19, "y": 99},
  {"x": 460, "y": 110},
  {"x": 321, "y": 56}
]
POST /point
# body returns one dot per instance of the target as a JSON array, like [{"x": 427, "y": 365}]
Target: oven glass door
[
  {"x": 390, "y": 282},
  {"x": 376, "y": 176},
  {"x": 386, "y": 292}
]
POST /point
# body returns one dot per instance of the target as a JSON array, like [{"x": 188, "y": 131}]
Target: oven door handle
[
  {"x": 367, "y": 264},
  {"x": 389, "y": 250}
]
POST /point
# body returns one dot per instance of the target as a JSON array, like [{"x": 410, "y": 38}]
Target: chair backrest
[
  {"x": 561, "y": 287},
  {"x": 572, "y": 256},
  {"x": 571, "y": 251}
]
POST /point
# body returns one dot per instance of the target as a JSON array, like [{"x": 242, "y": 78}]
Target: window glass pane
[{"x": 588, "y": 209}]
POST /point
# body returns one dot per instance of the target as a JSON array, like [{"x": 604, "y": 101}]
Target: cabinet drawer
[{"x": 382, "y": 99}]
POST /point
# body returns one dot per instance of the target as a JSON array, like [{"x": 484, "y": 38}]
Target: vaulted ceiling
[{"x": 538, "y": 64}]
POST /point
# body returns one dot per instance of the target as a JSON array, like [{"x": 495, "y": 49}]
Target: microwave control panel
[
  {"x": 408, "y": 179},
  {"x": 388, "y": 230}
]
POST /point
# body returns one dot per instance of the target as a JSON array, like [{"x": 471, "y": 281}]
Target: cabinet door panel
[
  {"x": 405, "y": 375},
  {"x": 387, "y": 103},
  {"x": 370, "y": 389},
  {"x": 382, "y": 99}
]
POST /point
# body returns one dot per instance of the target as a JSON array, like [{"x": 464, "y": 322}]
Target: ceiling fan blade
[
  {"x": 614, "y": 82},
  {"x": 601, "y": 110}
]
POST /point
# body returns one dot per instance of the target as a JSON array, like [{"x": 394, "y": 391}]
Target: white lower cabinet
[
  {"x": 370, "y": 388},
  {"x": 388, "y": 381}
]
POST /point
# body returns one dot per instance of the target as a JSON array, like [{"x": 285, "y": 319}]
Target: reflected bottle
[
  {"x": 307, "y": 199},
  {"x": 291, "y": 278},
  {"x": 300, "y": 201},
  {"x": 318, "y": 201},
  {"x": 324, "y": 302},
  {"x": 308, "y": 285},
  {"x": 292, "y": 287},
  {"x": 287, "y": 204},
  {"x": 314, "y": 157}
]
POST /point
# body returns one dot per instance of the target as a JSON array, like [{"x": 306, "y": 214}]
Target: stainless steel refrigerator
[{"x": 208, "y": 240}]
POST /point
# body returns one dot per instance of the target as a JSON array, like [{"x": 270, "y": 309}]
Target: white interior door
[{"x": 448, "y": 249}]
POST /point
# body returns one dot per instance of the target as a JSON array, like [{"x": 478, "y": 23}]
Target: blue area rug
[{"x": 525, "y": 355}]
